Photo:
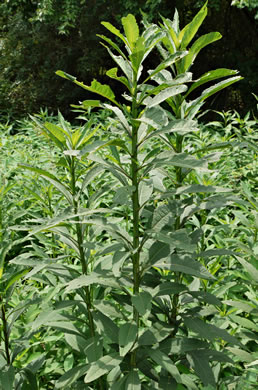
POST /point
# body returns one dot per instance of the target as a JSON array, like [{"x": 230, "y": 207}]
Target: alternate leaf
[
  {"x": 131, "y": 29},
  {"x": 127, "y": 335},
  {"x": 102, "y": 367}
]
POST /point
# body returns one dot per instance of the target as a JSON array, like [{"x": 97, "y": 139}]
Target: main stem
[
  {"x": 5, "y": 334},
  {"x": 136, "y": 211},
  {"x": 79, "y": 234}
]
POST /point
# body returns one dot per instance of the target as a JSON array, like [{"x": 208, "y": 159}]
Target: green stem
[
  {"x": 136, "y": 210},
  {"x": 79, "y": 235},
  {"x": 5, "y": 334}
]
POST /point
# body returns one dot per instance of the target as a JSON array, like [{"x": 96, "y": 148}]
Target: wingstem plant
[{"x": 152, "y": 270}]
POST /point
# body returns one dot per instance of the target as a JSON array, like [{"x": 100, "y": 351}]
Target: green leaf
[
  {"x": 209, "y": 92},
  {"x": 166, "y": 63},
  {"x": 102, "y": 367},
  {"x": 208, "y": 331},
  {"x": 112, "y": 73},
  {"x": 184, "y": 264},
  {"x": 168, "y": 288},
  {"x": 166, "y": 94},
  {"x": 52, "y": 179},
  {"x": 114, "y": 31},
  {"x": 106, "y": 326},
  {"x": 198, "y": 45},
  {"x": 71, "y": 376},
  {"x": 183, "y": 160},
  {"x": 165, "y": 362},
  {"x": 131, "y": 29},
  {"x": 241, "y": 355},
  {"x": 210, "y": 76},
  {"x": 88, "y": 103},
  {"x": 142, "y": 302},
  {"x": 133, "y": 381},
  {"x": 7, "y": 375},
  {"x": 189, "y": 31},
  {"x": 93, "y": 348},
  {"x": 201, "y": 366},
  {"x": 253, "y": 272},
  {"x": 181, "y": 345},
  {"x": 127, "y": 336},
  {"x": 137, "y": 55},
  {"x": 100, "y": 89},
  {"x": 65, "y": 75}
]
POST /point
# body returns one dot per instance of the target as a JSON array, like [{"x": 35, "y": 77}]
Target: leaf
[
  {"x": 241, "y": 355},
  {"x": 52, "y": 179},
  {"x": 92, "y": 278},
  {"x": 183, "y": 160},
  {"x": 137, "y": 56},
  {"x": 205, "y": 297},
  {"x": 179, "y": 126},
  {"x": 145, "y": 192},
  {"x": 93, "y": 348},
  {"x": 158, "y": 251},
  {"x": 208, "y": 331},
  {"x": 71, "y": 376},
  {"x": 165, "y": 362},
  {"x": 102, "y": 367},
  {"x": 198, "y": 45},
  {"x": 201, "y": 366},
  {"x": 181, "y": 345},
  {"x": 7, "y": 375},
  {"x": 120, "y": 116},
  {"x": 127, "y": 336},
  {"x": 211, "y": 91},
  {"x": 114, "y": 31},
  {"x": 142, "y": 302},
  {"x": 210, "y": 76},
  {"x": 166, "y": 63},
  {"x": 253, "y": 272},
  {"x": 131, "y": 29},
  {"x": 168, "y": 288},
  {"x": 133, "y": 381},
  {"x": 187, "y": 34},
  {"x": 166, "y": 94},
  {"x": 106, "y": 326},
  {"x": 184, "y": 264},
  {"x": 112, "y": 73}
]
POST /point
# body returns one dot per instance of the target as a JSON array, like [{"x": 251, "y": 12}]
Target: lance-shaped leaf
[
  {"x": 71, "y": 376},
  {"x": 124, "y": 65},
  {"x": 131, "y": 30},
  {"x": 179, "y": 126},
  {"x": 52, "y": 179},
  {"x": 102, "y": 367},
  {"x": 127, "y": 335},
  {"x": 201, "y": 366},
  {"x": 120, "y": 116},
  {"x": 211, "y": 91},
  {"x": 95, "y": 87},
  {"x": 114, "y": 31},
  {"x": 184, "y": 264},
  {"x": 137, "y": 56},
  {"x": 183, "y": 160},
  {"x": 189, "y": 31},
  {"x": 166, "y": 94},
  {"x": 198, "y": 45},
  {"x": 166, "y": 63},
  {"x": 210, "y": 76},
  {"x": 208, "y": 331},
  {"x": 106, "y": 326},
  {"x": 112, "y": 73},
  {"x": 133, "y": 381},
  {"x": 142, "y": 302},
  {"x": 165, "y": 362}
]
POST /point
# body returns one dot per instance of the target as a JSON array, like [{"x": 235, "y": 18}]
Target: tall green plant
[{"x": 155, "y": 334}]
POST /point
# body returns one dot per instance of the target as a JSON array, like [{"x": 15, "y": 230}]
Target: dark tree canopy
[{"x": 37, "y": 38}]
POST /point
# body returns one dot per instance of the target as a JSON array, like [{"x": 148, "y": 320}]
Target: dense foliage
[
  {"x": 128, "y": 242},
  {"x": 39, "y": 37}
]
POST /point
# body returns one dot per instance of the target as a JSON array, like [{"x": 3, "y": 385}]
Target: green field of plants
[{"x": 128, "y": 237}]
